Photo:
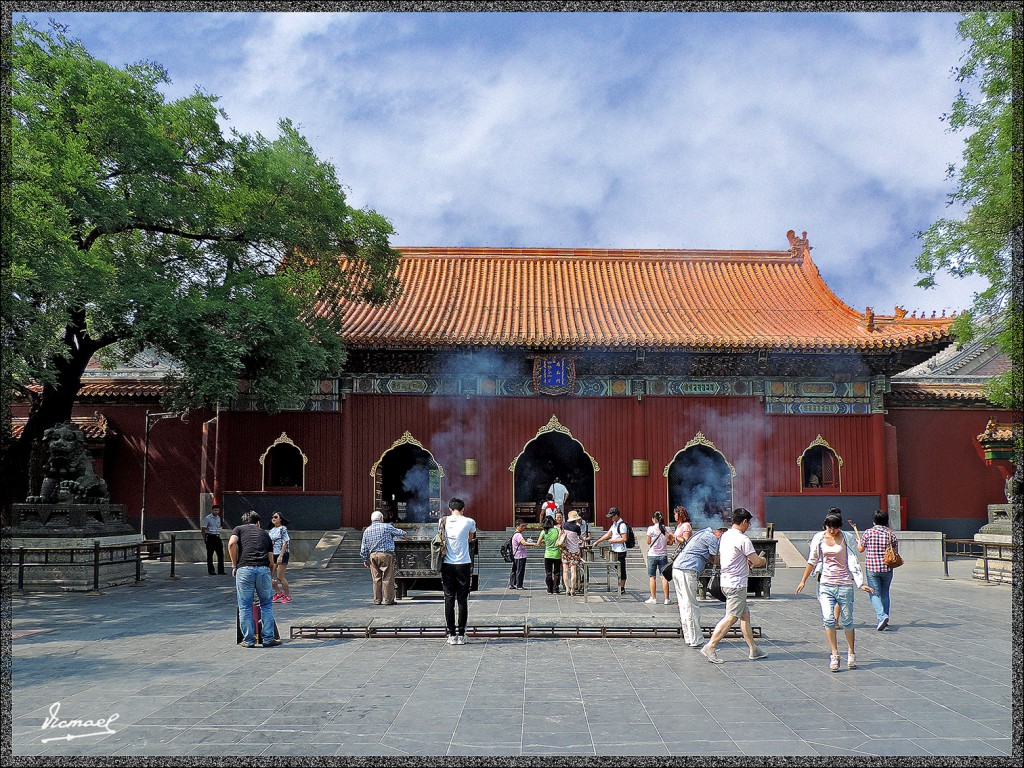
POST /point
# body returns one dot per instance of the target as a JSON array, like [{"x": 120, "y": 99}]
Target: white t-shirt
[
  {"x": 559, "y": 492},
  {"x": 618, "y": 531},
  {"x": 732, "y": 552},
  {"x": 456, "y": 530},
  {"x": 659, "y": 542}
]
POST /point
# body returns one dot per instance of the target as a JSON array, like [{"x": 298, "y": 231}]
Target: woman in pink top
[
  {"x": 684, "y": 530},
  {"x": 837, "y": 552}
]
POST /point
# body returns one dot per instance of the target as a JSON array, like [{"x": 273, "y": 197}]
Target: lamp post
[{"x": 145, "y": 461}]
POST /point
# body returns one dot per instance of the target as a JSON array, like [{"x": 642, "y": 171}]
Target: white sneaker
[
  {"x": 651, "y": 601},
  {"x": 667, "y": 601},
  {"x": 452, "y": 640},
  {"x": 460, "y": 639}
]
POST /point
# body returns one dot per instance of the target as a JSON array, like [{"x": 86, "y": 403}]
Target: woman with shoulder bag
[
  {"x": 570, "y": 538},
  {"x": 552, "y": 556},
  {"x": 839, "y": 572},
  {"x": 875, "y": 541},
  {"x": 658, "y": 539}
]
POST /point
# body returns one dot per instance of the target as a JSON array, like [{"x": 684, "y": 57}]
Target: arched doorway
[
  {"x": 553, "y": 453},
  {"x": 820, "y": 466},
  {"x": 407, "y": 483},
  {"x": 701, "y": 480},
  {"x": 283, "y": 465}
]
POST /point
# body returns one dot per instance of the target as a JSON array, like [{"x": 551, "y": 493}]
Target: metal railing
[
  {"x": 977, "y": 550},
  {"x": 28, "y": 557}
]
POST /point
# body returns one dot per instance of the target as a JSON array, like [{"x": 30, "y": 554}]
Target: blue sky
[{"x": 602, "y": 130}]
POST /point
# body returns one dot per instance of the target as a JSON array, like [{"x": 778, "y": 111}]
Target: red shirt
[{"x": 875, "y": 540}]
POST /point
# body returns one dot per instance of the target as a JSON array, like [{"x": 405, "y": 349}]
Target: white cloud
[{"x": 597, "y": 130}]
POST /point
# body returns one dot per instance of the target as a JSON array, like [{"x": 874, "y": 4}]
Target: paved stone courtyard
[{"x": 163, "y": 658}]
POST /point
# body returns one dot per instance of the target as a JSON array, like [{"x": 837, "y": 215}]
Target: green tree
[
  {"x": 132, "y": 222},
  {"x": 986, "y": 240}
]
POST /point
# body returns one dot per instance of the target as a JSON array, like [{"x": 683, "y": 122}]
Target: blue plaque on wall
[{"x": 554, "y": 375}]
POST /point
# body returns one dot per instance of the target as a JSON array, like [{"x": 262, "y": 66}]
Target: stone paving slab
[{"x": 162, "y": 657}]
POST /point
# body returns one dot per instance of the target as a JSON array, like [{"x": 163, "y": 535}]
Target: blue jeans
[
  {"x": 880, "y": 581},
  {"x": 250, "y": 579},
  {"x": 828, "y": 596}
]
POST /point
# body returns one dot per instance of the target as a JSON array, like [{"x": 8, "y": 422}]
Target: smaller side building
[{"x": 937, "y": 409}]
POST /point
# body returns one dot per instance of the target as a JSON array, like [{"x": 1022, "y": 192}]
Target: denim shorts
[
  {"x": 656, "y": 564},
  {"x": 829, "y": 595}
]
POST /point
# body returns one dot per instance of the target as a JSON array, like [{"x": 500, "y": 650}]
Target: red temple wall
[
  {"x": 942, "y": 477},
  {"x": 853, "y": 438},
  {"x": 246, "y": 435},
  {"x": 613, "y": 431},
  {"x": 342, "y": 448}
]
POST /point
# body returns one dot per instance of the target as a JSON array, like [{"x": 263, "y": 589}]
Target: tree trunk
[{"x": 22, "y": 474}]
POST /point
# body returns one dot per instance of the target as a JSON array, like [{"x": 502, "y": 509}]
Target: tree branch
[{"x": 98, "y": 232}]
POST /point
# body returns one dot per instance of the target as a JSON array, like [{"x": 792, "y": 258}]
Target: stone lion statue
[{"x": 69, "y": 475}]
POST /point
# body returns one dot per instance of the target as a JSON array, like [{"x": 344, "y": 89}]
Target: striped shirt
[
  {"x": 379, "y": 537},
  {"x": 875, "y": 540}
]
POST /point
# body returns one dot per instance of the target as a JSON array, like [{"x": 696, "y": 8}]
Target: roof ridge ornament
[
  {"x": 799, "y": 246},
  {"x": 869, "y": 318}
]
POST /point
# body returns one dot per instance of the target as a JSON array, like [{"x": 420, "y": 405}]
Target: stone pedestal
[
  {"x": 998, "y": 530},
  {"x": 59, "y": 542},
  {"x": 66, "y": 521}
]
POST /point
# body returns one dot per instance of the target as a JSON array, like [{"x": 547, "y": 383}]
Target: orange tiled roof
[
  {"x": 95, "y": 427},
  {"x": 116, "y": 388},
  {"x": 555, "y": 298},
  {"x": 930, "y": 390}
]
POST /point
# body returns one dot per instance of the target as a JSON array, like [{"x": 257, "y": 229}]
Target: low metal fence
[
  {"x": 977, "y": 550},
  {"x": 23, "y": 558}
]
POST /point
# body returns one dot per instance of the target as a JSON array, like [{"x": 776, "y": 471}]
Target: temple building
[{"x": 641, "y": 379}]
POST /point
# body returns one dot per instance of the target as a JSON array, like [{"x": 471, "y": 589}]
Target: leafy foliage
[
  {"x": 135, "y": 222},
  {"x": 987, "y": 239}
]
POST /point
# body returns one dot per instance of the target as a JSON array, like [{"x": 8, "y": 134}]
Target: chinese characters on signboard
[{"x": 554, "y": 375}]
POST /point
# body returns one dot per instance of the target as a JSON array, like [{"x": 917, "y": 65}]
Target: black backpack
[
  {"x": 630, "y": 536},
  {"x": 506, "y": 551}
]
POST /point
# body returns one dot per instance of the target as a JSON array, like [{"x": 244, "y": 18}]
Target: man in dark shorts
[
  {"x": 252, "y": 561},
  {"x": 616, "y": 536}
]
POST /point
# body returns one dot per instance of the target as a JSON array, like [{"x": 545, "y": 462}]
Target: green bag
[{"x": 438, "y": 548}]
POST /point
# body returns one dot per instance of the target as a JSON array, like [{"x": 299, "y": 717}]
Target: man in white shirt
[
  {"x": 211, "y": 535},
  {"x": 560, "y": 494},
  {"x": 457, "y": 569},
  {"x": 616, "y": 536},
  {"x": 736, "y": 555}
]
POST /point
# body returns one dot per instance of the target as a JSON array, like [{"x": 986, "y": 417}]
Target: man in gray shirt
[
  {"x": 211, "y": 535},
  {"x": 700, "y": 550}
]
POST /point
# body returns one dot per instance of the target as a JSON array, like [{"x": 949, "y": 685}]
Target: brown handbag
[{"x": 891, "y": 557}]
